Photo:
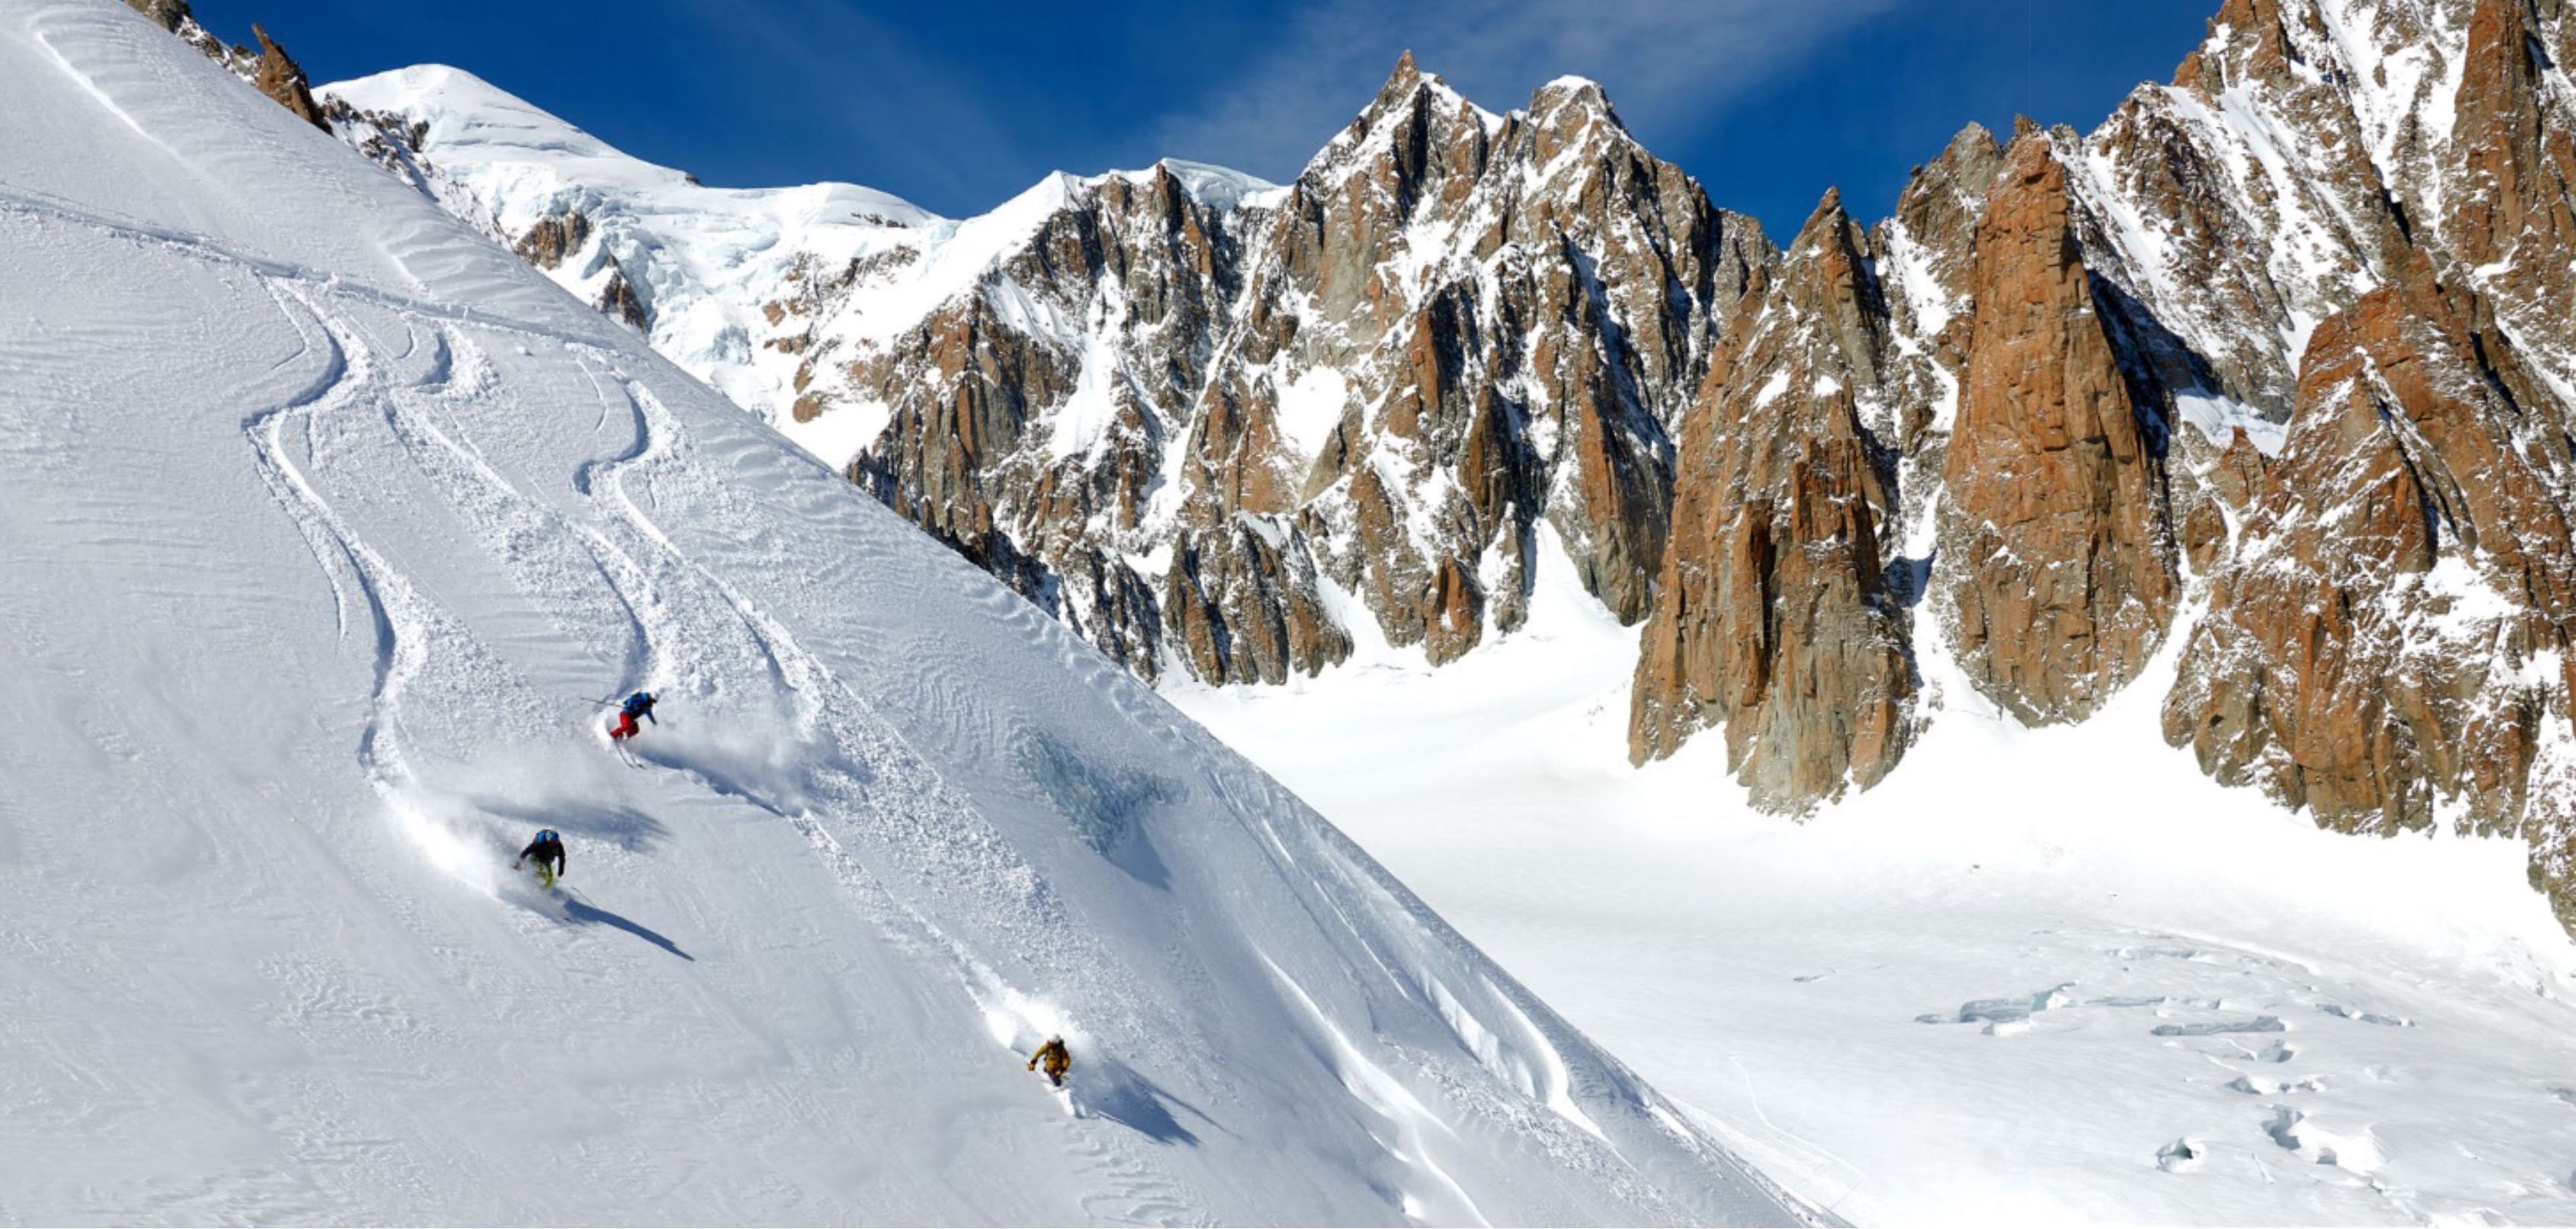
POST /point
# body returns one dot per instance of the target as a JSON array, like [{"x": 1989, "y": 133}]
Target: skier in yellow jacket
[{"x": 1055, "y": 1059}]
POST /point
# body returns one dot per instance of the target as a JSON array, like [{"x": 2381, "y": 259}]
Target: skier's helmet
[{"x": 547, "y": 834}]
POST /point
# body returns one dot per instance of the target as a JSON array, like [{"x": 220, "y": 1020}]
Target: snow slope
[
  {"x": 1999, "y": 988},
  {"x": 325, "y": 521}
]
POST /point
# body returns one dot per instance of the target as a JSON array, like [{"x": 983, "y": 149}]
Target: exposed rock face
[
  {"x": 2510, "y": 224},
  {"x": 1925, "y": 257},
  {"x": 1772, "y": 617},
  {"x": 1453, "y": 334},
  {"x": 280, "y": 77},
  {"x": 2227, "y": 236},
  {"x": 2058, "y": 559},
  {"x": 1478, "y": 325},
  {"x": 270, "y": 70},
  {"x": 553, "y": 238},
  {"x": 2046, "y": 338},
  {"x": 1044, "y": 465},
  {"x": 168, "y": 14},
  {"x": 2390, "y": 644},
  {"x": 618, "y": 298}
]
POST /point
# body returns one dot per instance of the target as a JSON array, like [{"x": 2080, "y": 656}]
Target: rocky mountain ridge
[
  {"x": 270, "y": 70},
  {"x": 2082, "y": 394},
  {"x": 1217, "y": 425},
  {"x": 2274, "y": 360}
]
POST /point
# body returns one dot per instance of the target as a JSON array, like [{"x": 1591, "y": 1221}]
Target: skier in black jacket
[{"x": 548, "y": 853}]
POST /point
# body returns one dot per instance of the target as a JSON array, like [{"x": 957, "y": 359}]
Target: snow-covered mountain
[
  {"x": 2060, "y": 409},
  {"x": 1207, "y": 422},
  {"x": 329, "y": 522},
  {"x": 2199, "y": 365}
]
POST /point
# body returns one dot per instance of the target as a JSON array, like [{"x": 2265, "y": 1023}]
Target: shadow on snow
[
  {"x": 623, "y": 826},
  {"x": 585, "y": 913},
  {"x": 1123, "y": 1096}
]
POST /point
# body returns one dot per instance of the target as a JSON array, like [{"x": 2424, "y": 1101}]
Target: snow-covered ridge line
[{"x": 707, "y": 259}]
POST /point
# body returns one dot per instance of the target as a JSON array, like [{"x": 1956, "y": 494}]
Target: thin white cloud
[
  {"x": 1670, "y": 66},
  {"x": 896, "y": 112}
]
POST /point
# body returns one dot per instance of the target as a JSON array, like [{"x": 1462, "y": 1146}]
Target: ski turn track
[{"x": 689, "y": 627}]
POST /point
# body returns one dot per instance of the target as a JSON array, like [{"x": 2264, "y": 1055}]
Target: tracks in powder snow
[
  {"x": 852, "y": 779},
  {"x": 632, "y": 567},
  {"x": 393, "y": 612},
  {"x": 817, "y": 757}
]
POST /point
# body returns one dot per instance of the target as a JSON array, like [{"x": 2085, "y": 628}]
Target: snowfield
[
  {"x": 2035, "y": 977},
  {"x": 326, "y": 524}
]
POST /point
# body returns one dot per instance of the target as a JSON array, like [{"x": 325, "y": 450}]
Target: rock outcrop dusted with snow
[
  {"x": 1458, "y": 328},
  {"x": 1772, "y": 615},
  {"x": 269, "y": 70},
  {"x": 2059, "y": 575},
  {"x": 2290, "y": 330},
  {"x": 277, "y": 75},
  {"x": 1037, "y": 451},
  {"x": 2389, "y": 645}
]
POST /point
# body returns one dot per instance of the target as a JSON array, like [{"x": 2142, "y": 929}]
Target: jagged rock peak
[
  {"x": 1772, "y": 616},
  {"x": 2246, "y": 40},
  {"x": 1399, "y": 94},
  {"x": 271, "y": 71},
  {"x": 1580, "y": 95},
  {"x": 1974, "y": 142},
  {"x": 1828, "y": 217},
  {"x": 168, "y": 14},
  {"x": 2058, "y": 559}
]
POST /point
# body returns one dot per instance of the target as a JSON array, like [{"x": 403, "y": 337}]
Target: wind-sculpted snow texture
[
  {"x": 2033, "y": 416},
  {"x": 328, "y": 523}
]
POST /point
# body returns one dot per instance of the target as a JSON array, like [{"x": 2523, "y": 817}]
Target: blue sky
[{"x": 959, "y": 106}]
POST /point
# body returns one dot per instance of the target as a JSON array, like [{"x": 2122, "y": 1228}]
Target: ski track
[
  {"x": 635, "y": 559},
  {"x": 681, "y": 623},
  {"x": 615, "y": 581},
  {"x": 31, "y": 203}
]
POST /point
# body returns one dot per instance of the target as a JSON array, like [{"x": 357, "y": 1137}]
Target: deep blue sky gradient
[{"x": 957, "y": 107}]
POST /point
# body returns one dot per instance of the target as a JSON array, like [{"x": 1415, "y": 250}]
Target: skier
[
  {"x": 548, "y": 851},
  {"x": 1054, "y": 1056},
  {"x": 638, "y": 705}
]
